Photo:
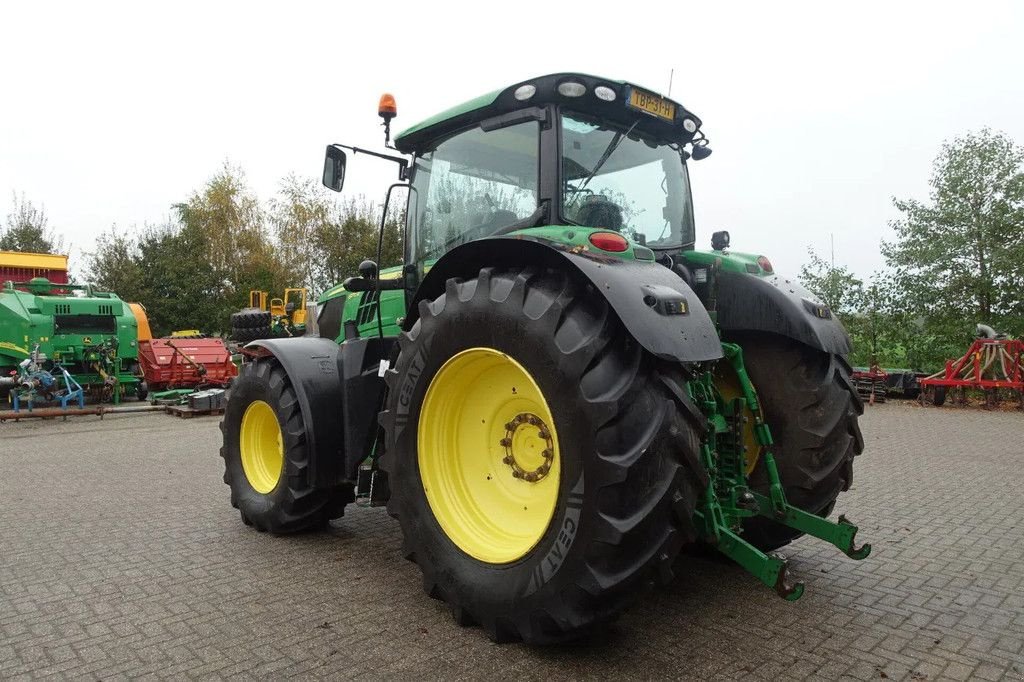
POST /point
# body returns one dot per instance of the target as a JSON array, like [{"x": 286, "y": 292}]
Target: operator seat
[
  {"x": 486, "y": 224},
  {"x": 599, "y": 212}
]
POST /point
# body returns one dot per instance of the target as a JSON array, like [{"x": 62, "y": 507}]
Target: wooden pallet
[
  {"x": 186, "y": 412},
  {"x": 866, "y": 388}
]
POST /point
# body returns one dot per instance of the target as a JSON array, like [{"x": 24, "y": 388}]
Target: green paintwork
[
  {"x": 458, "y": 110},
  {"x": 731, "y": 261},
  {"x": 27, "y": 319},
  {"x": 361, "y": 307},
  {"x": 579, "y": 238},
  {"x": 729, "y": 500}
]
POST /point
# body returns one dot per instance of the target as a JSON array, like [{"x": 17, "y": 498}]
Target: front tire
[
  {"x": 623, "y": 479},
  {"x": 811, "y": 407},
  {"x": 266, "y": 455}
]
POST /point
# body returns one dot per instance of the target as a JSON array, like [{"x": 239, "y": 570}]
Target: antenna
[{"x": 671, "y": 73}]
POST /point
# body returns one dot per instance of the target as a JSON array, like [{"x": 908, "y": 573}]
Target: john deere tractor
[{"x": 554, "y": 393}]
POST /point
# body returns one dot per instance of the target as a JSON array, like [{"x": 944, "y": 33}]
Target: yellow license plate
[{"x": 652, "y": 104}]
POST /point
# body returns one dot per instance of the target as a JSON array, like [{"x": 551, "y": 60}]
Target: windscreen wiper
[{"x": 612, "y": 146}]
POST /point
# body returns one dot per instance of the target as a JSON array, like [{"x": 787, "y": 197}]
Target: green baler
[{"x": 92, "y": 334}]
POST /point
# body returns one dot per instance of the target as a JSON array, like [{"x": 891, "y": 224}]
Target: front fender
[
  {"x": 312, "y": 366},
  {"x": 658, "y": 309}
]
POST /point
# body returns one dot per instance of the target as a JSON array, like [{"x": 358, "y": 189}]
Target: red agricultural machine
[
  {"x": 870, "y": 383},
  {"x": 993, "y": 364},
  {"x": 184, "y": 361}
]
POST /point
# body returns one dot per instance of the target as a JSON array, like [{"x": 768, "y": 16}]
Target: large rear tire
[
  {"x": 250, "y": 318},
  {"x": 811, "y": 407},
  {"x": 266, "y": 455},
  {"x": 621, "y": 483}
]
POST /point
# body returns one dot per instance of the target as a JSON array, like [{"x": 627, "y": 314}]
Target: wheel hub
[
  {"x": 526, "y": 434},
  {"x": 488, "y": 455},
  {"x": 261, "y": 446}
]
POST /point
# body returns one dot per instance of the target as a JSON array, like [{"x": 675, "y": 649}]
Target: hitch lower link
[{"x": 728, "y": 498}]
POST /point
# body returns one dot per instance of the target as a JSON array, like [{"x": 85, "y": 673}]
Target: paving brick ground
[{"x": 121, "y": 557}]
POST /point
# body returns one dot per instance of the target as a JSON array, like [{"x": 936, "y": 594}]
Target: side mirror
[{"x": 334, "y": 168}]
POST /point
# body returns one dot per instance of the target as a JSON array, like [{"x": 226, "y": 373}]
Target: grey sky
[{"x": 818, "y": 113}]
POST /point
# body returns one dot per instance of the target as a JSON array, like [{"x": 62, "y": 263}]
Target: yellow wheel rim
[
  {"x": 262, "y": 447},
  {"x": 728, "y": 385},
  {"x": 488, "y": 455}
]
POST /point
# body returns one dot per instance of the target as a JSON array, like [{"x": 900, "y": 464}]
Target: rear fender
[
  {"x": 656, "y": 306},
  {"x": 778, "y": 305}
]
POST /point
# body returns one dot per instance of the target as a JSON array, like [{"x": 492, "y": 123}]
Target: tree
[
  {"x": 186, "y": 276},
  {"x": 167, "y": 269},
  {"x": 837, "y": 287},
  {"x": 959, "y": 258},
  {"x": 184, "y": 290},
  {"x": 301, "y": 211},
  {"x": 116, "y": 265},
  {"x": 27, "y": 230},
  {"x": 324, "y": 240},
  {"x": 227, "y": 220}
]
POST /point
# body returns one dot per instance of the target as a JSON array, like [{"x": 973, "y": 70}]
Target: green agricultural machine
[
  {"x": 555, "y": 393},
  {"x": 49, "y": 331}
]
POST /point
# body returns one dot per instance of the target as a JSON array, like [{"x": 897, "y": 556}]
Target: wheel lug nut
[
  {"x": 511, "y": 426},
  {"x": 506, "y": 442},
  {"x": 516, "y": 474},
  {"x": 508, "y": 459},
  {"x": 543, "y": 433},
  {"x": 534, "y": 421}
]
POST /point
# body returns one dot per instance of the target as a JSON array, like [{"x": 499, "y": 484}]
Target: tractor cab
[{"x": 583, "y": 154}]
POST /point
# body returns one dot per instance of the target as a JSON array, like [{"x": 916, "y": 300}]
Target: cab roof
[{"x": 623, "y": 107}]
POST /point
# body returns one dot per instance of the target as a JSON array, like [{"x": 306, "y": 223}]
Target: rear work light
[
  {"x": 609, "y": 241},
  {"x": 765, "y": 264},
  {"x": 572, "y": 89},
  {"x": 525, "y": 92}
]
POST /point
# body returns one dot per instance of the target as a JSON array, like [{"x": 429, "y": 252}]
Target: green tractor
[{"x": 554, "y": 394}]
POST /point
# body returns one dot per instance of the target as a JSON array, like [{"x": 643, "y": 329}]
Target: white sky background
[{"x": 818, "y": 113}]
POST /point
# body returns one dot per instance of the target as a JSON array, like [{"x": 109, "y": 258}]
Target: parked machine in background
[
  {"x": 20, "y": 266},
  {"x": 269, "y": 318},
  {"x": 66, "y": 328},
  {"x": 184, "y": 360},
  {"x": 994, "y": 365}
]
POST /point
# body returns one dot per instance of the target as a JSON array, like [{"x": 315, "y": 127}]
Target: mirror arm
[{"x": 403, "y": 164}]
